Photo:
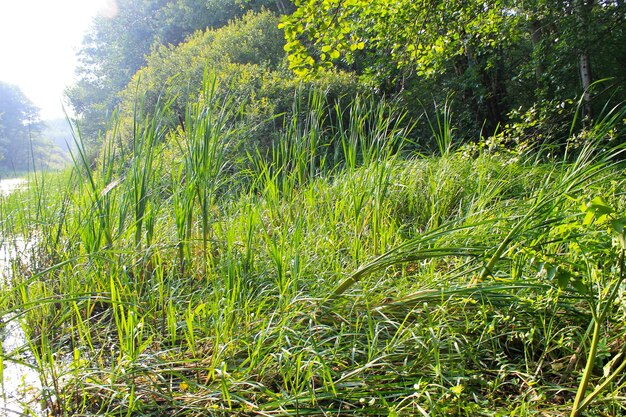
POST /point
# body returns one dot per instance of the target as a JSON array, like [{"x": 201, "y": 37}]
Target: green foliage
[
  {"x": 374, "y": 283},
  {"x": 117, "y": 45},
  {"x": 111, "y": 53},
  {"x": 20, "y": 124},
  {"x": 495, "y": 57},
  {"x": 181, "y": 18},
  {"x": 414, "y": 34},
  {"x": 253, "y": 244},
  {"x": 23, "y": 146},
  {"x": 246, "y": 59},
  {"x": 175, "y": 72}
]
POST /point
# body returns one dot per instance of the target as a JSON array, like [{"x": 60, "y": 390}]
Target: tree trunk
[
  {"x": 584, "y": 66},
  {"x": 494, "y": 100},
  {"x": 284, "y": 7},
  {"x": 586, "y": 80},
  {"x": 461, "y": 69},
  {"x": 536, "y": 34}
]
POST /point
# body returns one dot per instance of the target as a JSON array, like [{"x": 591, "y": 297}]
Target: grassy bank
[{"x": 340, "y": 274}]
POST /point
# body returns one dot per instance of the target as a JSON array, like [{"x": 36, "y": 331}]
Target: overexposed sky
[{"x": 38, "y": 43}]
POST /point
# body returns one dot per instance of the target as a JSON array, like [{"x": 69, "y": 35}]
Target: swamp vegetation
[
  {"x": 343, "y": 273},
  {"x": 411, "y": 209}
]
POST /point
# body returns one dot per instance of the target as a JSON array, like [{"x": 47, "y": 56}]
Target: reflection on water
[
  {"x": 21, "y": 387},
  {"x": 9, "y": 185}
]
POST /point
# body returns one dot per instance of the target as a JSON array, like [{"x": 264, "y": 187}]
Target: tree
[
  {"x": 111, "y": 53},
  {"x": 20, "y": 128},
  {"x": 408, "y": 38},
  {"x": 180, "y": 18},
  {"x": 572, "y": 42},
  {"x": 496, "y": 55},
  {"x": 176, "y": 72},
  {"x": 116, "y": 47}
]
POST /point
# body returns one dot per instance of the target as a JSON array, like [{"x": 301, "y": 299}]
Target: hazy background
[{"x": 38, "y": 44}]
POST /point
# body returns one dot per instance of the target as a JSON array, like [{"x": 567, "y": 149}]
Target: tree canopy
[
  {"x": 503, "y": 62},
  {"x": 116, "y": 46},
  {"x": 23, "y": 143},
  {"x": 497, "y": 55},
  {"x": 19, "y": 123}
]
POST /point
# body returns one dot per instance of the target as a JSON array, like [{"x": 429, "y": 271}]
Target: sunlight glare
[
  {"x": 109, "y": 9},
  {"x": 40, "y": 39}
]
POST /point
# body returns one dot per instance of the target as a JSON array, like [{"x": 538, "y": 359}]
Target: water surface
[{"x": 20, "y": 385}]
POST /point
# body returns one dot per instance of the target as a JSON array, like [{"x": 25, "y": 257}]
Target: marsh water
[{"x": 21, "y": 386}]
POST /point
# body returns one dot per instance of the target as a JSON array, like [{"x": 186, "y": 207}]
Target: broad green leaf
[
  {"x": 580, "y": 286},
  {"x": 563, "y": 278},
  {"x": 618, "y": 225},
  {"x": 599, "y": 207}
]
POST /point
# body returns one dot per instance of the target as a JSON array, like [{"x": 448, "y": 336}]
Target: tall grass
[
  {"x": 339, "y": 274},
  {"x": 203, "y": 145}
]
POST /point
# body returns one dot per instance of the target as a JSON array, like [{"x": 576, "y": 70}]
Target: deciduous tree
[
  {"x": 20, "y": 129},
  {"x": 497, "y": 55}
]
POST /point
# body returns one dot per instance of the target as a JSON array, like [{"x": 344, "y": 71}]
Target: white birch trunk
[{"x": 586, "y": 80}]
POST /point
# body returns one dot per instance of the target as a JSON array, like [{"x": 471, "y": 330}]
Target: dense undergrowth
[{"x": 342, "y": 273}]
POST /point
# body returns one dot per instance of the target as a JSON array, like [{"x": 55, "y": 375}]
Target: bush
[
  {"x": 248, "y": 62},
  {"x": 175, "y": 73}
]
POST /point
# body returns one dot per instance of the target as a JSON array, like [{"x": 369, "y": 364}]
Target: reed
[{"x": 335, "y": 273}]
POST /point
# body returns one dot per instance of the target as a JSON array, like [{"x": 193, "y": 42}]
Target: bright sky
[{"x": 38, "y": 43}]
